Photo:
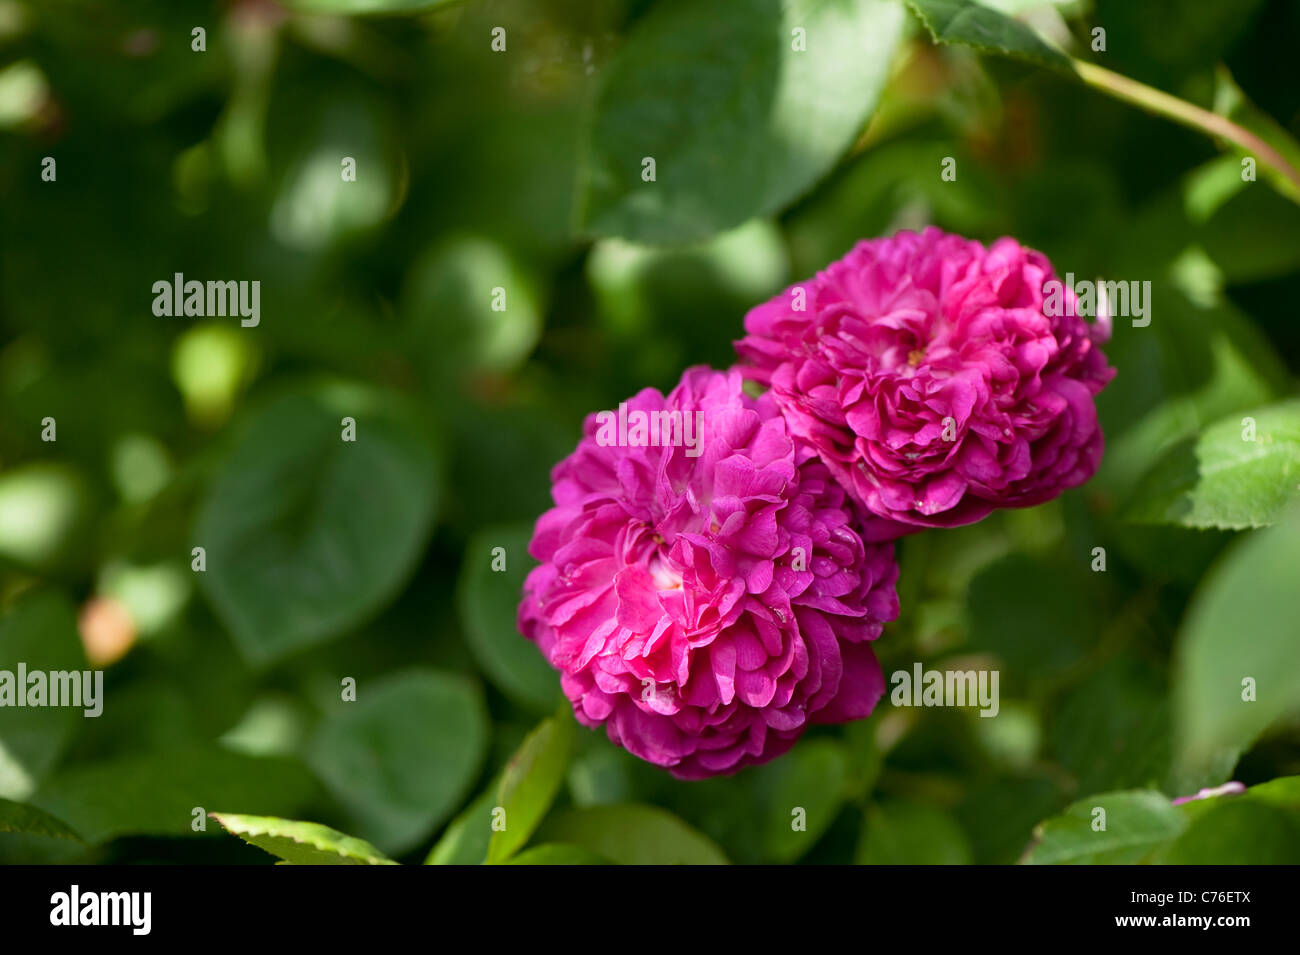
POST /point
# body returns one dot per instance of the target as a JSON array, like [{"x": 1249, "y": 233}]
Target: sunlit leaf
[
  {"x": 971, "y": 23},
  {"x": 530, "y": 782},
  {"x": 1114, "y": 828},
  {"x": 1239, "y": 472},
  {"x": 302, "y": 843},
  {"x": 740, "y": 104}
]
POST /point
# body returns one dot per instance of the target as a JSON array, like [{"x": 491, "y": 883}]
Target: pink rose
[
  {"x": 927, "y": 374},
  {"x": 706, "y": 601}
]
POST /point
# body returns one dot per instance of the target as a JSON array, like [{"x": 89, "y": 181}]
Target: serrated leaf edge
[{"x": 379, "y": 859}]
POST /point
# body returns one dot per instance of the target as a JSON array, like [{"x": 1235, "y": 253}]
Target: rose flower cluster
[{"x": 717, "y": 565}]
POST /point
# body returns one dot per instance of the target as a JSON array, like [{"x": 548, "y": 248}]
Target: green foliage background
[{"x": 521, "y": 170}]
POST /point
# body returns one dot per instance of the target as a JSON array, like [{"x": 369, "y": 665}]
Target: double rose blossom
[{"x": 706, "y": 608}]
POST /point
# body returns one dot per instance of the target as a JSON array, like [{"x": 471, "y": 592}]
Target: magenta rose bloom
[
  {"x": 705, "y": 600},
  {"x": 937, "y": 379}
]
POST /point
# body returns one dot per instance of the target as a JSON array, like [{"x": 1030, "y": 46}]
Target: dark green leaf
[
  {"x": 488, "y": 600},
  {"x": 40, "y": 631},
  {"x": 404, "y": 754},
  {"x": 307, "y": 534}
]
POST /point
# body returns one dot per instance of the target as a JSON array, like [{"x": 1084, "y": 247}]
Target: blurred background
[{"x": 482, "y": 170}]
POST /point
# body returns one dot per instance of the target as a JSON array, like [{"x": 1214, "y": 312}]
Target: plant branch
[{"x": 1180, "y": 111}]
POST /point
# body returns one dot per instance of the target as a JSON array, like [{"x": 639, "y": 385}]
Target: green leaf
[
  {"x": 529, "y": 784},
  {"x": 404, "y": 754},
  {"x": 905, "y": 833},
  {"x": 1137, "y": 823},
  {"x": 307, "y": 535},
  {"x": 1283, "y": 791},
  {"x": 488, "y": 601},
  {"x": 557, "y": 855},
  {"x": 737, "y": 120},
  {"x": 40, "y": 631},
  {"x": 1238, "y": 831},
  {"x": 972, "y": 24},
  {"x": 1224, "y": 480},
  {"x": 20, "y": 817},
  {"x": 633, "y": 835},
  {"x": 1260, "y": 826},
  {"x": 1239, "y": 378},
  {"x": 811, "y": 778},
  {"x": 466, "y": 839},
  {"x": 157, "y": 793},
  {"x": 1240, "y": 625},
  {"x": 302, "y": 843}
]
